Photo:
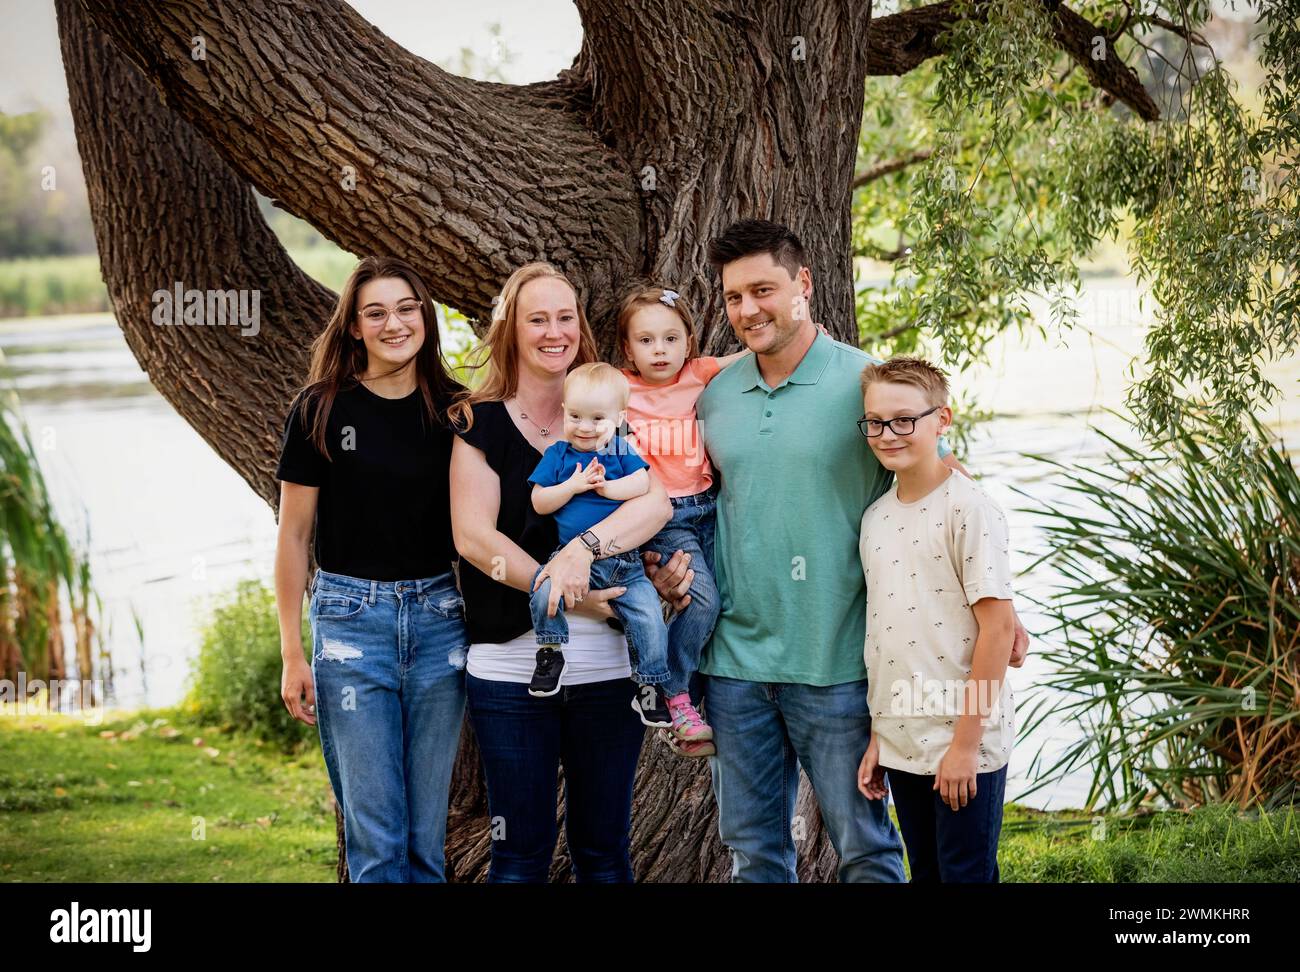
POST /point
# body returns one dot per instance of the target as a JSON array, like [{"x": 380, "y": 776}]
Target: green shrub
[{"x": 237, "y": 674}]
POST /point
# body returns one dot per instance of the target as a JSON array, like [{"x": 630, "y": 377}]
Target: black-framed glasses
[{"x": 902, "y": 425}]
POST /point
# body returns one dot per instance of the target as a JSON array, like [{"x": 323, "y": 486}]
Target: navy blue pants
[
  {"x": 589, "y": 729},
  {"x": 944, "y": 845}
]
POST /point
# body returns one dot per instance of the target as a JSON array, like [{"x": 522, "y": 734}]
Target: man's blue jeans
[
  {"x": 764, "y": 732},
  {"x": 388, "y": 661},
  {"x": 638, "y": 609},
  {"x": 690, "y": 530}
]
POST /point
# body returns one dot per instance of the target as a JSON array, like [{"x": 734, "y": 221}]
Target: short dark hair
[{"x": 750, "y": 236}]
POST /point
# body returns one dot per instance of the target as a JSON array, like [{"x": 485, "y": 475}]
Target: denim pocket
[
  {"x": 450, "y": 605},
  {"x": 338, "y": 607},
  {"x": 625, "y": 570}
]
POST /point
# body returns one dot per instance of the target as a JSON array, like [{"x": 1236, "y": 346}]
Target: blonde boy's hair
[
  {"x": 599, "y": 377},
  {"x": 904, "y": 370}
]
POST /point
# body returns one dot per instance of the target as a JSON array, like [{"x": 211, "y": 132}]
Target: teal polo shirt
[{"x": 795, "y": 477}]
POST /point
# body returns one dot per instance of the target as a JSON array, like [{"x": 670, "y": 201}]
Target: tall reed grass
[
  {"x": 44, "y": 578},
  {"x": 1178, "y": 625}
]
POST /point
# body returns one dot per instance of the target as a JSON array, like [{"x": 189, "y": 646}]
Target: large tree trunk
[{"x": 675, "y": 120}]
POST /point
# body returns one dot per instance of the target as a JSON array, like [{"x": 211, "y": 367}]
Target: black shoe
[
  {"x": 655, "y": 712},
  {"x": 546, "y": 676}
]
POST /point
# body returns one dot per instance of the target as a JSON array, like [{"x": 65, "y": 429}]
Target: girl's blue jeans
[
  {"x": 690, "y": 530},
  {"x": 388, "y": 661}
]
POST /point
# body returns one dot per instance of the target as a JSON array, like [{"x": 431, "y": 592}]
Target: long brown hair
[
  {"x": 499, "y": 352},
  {"x": 650, "y": 296},
  {"x": 338, "y": 360}
]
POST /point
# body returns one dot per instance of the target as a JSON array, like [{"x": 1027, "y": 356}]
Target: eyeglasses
[
  {"x": 902, "y": 425},
  {"x": 406, "y": 312}
]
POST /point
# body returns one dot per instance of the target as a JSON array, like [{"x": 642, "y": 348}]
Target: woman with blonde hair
[
  {"x": 365, "y": 463},
  {"x": 538, "y": 333}
]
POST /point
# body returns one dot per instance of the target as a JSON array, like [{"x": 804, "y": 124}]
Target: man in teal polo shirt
[{"x": 786, "y": 683}]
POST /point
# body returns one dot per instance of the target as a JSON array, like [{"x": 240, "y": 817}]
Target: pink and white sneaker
[
  {"x": 688, "y": 725},
  {"x": 691, "y": 750}
]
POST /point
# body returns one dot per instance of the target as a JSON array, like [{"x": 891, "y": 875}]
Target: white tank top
[{"x": 595, "y": 653}]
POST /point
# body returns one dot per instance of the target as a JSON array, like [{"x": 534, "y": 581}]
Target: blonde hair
[
  {"x": 643, "y": 296},
  {"x": 905, "y": 370},
  {"x": 598, "y": 377},
  {"x": 499, "y": 352}
]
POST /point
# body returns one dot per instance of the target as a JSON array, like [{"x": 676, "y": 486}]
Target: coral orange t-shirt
[{"x": 661, "y": 420}]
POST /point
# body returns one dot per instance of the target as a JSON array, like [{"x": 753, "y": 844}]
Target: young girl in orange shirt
[{"x": 667, "y": 374}]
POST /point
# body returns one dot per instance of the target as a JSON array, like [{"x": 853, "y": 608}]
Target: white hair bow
[{"x": 669, "y": 297}]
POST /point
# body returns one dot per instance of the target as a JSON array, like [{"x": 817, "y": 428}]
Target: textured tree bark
[{"x": 674, "y": 120}]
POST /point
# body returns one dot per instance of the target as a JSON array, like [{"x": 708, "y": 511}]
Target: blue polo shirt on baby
[{"x": 587, "y": 509}]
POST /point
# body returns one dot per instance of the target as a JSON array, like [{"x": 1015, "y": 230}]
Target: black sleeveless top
[{"x": 494, "y": 611}]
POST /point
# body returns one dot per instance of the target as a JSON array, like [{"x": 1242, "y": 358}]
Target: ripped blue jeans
[{"x": 388, "y": 660}]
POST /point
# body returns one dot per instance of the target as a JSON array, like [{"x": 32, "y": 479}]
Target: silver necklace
[{"x": 543, "y": 430}]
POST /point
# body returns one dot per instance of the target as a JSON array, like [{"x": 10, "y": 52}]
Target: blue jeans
[
  {"x": 638, "y": 609},
  {"x": 388, "y": 661},
  {"x": 764, "y": 732},
  {"x": 593, "y": 733},
  {"x": 690, "y": 530},
  {"x": 947, "y": 845}
]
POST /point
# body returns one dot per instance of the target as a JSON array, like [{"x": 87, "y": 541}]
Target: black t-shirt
[
  {"x": 384, "y": 509},
  {"x": 494, "y": 611}
]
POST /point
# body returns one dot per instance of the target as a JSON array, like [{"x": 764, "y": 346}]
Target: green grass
[
  {"x": 79, "y": 806},
  {"x": 1209, "y": 844}
]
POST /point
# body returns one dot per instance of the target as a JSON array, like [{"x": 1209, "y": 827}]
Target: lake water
[{"x": 170, "y": 525}]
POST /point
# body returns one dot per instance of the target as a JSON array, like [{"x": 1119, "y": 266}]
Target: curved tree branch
[
  {"x": 901, "y": 41},
  {"x": 1075, "y": 35},
  {"x": 882, "y": 169},
  {"x": 1186, "y": 33},
  {"x": 384, "y": 152}
]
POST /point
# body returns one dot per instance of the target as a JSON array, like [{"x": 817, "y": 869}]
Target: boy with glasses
[{"x": 936, "y": 559}]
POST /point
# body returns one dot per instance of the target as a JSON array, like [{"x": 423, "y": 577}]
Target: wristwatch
[{"x": 590, "y": 541}]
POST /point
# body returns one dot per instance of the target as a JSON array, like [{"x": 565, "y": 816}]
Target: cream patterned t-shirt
[{"x": 926, "y": 563}]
